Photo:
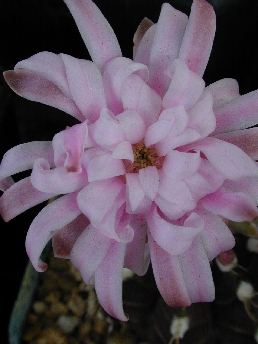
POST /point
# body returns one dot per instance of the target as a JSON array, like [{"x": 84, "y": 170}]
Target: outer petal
[
  {"x": 197, "y": 273},
  {"x": 223, "y": 91},
  {"x": 226, "y": 158},
  {"x": 240, "y": 113},
  {"x": 88, "y": 252},
  {"x": 166, "y": 44},
  {"x": 143, "y": 51},
  {"x": 59, "y": 180},
  {"x": 20, "y": 197},
  {"x": 235, "y": 206},
  {"x": 172, "y": 238},
  {"x": 95, "y": 30},
  {"x": 64, "y": 240},
  {"x": 169, "y": 276},
  {"x": 21, "y": 158},
  {"x": 86, "y": 86},
  {"x": 108, "y": 281},
  {"x": 42, "y": 78},
  {"x": 197, "y": 42},
  {"x": 45, "y": 225}
]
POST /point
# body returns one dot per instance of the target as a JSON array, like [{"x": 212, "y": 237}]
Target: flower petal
[
  {"x": 198, "y": 38},
  {"x": 149, "y": 179},
  {"x": 240, "y": 113},
  {"x": 91, "y": 243},
  {"x": 142, "y": 50},
  {"x": 64, "y": 240},
  {"x": 59, "y": 180},
  {"x": 235, "y": 206},
  {"x": 133, "y": 125},
  {"x": 20, "y": 197},
  {"x": 168, "y": 275},
  {"x": 185, "y": 87},
  {"x": 86, "y": 86},
  {"x": 223, "y": 91},
  {"x": 166, "y": 44},
  {"x": 95, "y": 30},
  {"x": 21, "y": 158},
  {"x": 46, "y": 224},
  {"x": 123, "y": 150},
  {"x": 108, "y": 281}
]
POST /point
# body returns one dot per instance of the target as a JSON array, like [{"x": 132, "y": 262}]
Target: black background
[{"x": 31, "y": 26}]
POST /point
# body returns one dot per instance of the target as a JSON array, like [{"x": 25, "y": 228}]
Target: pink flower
[{"x": 155, "y": 169}]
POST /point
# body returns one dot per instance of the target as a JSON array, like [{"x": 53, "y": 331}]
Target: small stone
[
  {"x": 52, "y": 336},
  {"x": 67, "y": 323},
  {"x": 39, "y": 307},
  {"x": 58, "y": 308},
  {"x": 77, "y": 305}
]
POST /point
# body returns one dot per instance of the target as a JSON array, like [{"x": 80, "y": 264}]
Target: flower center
[{"x": 143, "y": 157}]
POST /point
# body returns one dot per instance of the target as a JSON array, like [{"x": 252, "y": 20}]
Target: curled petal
[
  {"x": 108, "y": 281},
  {"x": 166, "y": 44},
  {"x": 133, "y": 125},
  {"x": 197, "y": 273},
  {"x": 123, "y": 150},
  {"x": 198, "y": 38},
  {"x": 21, "y": 158},
  {"x": 86, "y": 86},
  {"x": 185, "y": 87},
  {"x": 64, "y": 240},
  {"x": 172, "y": 238},
  {"x": 69, "y": 146},
  {"x": 58, "y": 181},
  {"x": 235, "y": 206},
  {"x": 20, "y": 197},
  {"x": 168, "y": 275},
  {"x": 137, "y": 95},
  {"x": 240, "y": 113},
  {"x": 42, "y": 78},
  {"x": 223, "y": 91},
  {"x": 95, "y": 30},
  {"x": 137, "y": 256},
  {"x": 245, "y": 139},
  {"x": 227, "y": 159},
  {"x": 91, "y": 243},
  {"x": 46, "y": 224},
  {"x": 143, "y": 41}
]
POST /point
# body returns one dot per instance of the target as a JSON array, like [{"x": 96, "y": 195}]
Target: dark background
[{"x": 31, "y": 26}]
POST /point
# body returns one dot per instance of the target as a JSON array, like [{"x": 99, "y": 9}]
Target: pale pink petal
[
  {"x": 141, "y": 52},
  {"x": 169, "y": 276},
  {"x": 136, "y": 200},
  {"x": 42, "y": 78},
  {"x": 180, "y": 165},
  {"x": 108, "y": 281},
  {"x": 171, "y": 123},
  {"x": 144, "y": 26},
  {"x": 247, "y": 185},
  {"x": 137, "y": 256},
  {"x": 46, "y": 224},
  {"x": 97, "y": 198},
  {"x": 198, "y": 39},
  {"x": 211, "y": 175},
  {"x": 172, "y": 238},
  {"x": 69, "y": 146},
  {"x": 235, "y": 206},
  {"x": 185, "y": 87},
  {"x": 201, "y": 116},
  {"x": 107, "y": 131},
  {"x": 95, "y": 30},
  {"x": 86, "y": 86},
  {"x": 133, "y": 125},
  {"x": 149, "y": 179},
  {"x": 59, "y": 180},
  {"x": 244, "y": 139},
  {"x": 223, "y": 91},
  {"x": 197, "y": 273},
  {"x": 20, "y": 197},
  {"x": 91, "y": 243},
  {"x": 123, "y": 150},
  {"x": 227, "y": 159},
  {"x": 240, "y": 113},
  {"x": 21, "y": 158},
  {"x": 166, "y": 44},
  {"x": 6, "y": 183},
  {"x": 104, "y": 166},
  {"x": 198, "y": 186},
  {"x": 64, "y": 240},
  {"x": 173, "y": 210},
  {"x": 137, "y": 95},
  {"x": 216, "y": 236}
]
